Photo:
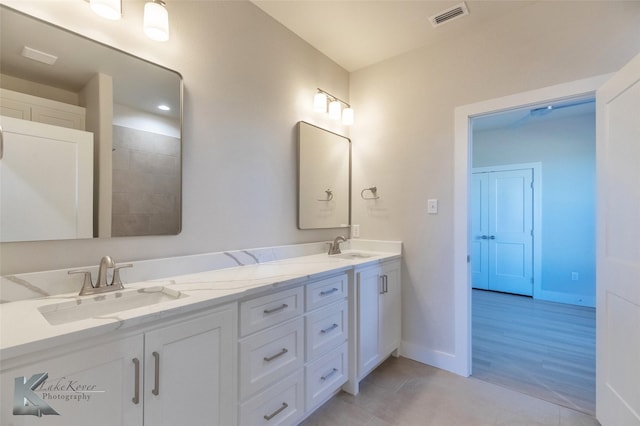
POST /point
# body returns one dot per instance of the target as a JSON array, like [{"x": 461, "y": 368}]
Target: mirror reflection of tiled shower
[{"x": 146, "y": 183}]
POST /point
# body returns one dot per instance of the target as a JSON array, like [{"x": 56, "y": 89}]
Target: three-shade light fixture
[
  {"x": 155, "y": 21},
  {"x": 324, "y": 101}
]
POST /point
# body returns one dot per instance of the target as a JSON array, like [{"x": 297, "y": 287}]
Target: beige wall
[
  {"x": 247, "y": 82},
  {"x": 403, "y": 139}
]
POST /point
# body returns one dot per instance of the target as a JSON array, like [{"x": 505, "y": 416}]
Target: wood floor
[
  {"x": 540, "y": 348},
  {"x": 402, "y": 392}
]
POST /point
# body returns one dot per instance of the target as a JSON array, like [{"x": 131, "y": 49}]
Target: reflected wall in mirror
[
  {"x": 324, "y": 178},
  {"x": 102, "y": 93}
]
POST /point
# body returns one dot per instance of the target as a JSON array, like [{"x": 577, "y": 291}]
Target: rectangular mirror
[
  {"x": 324, "y": 178},
  {"x": 107, "y": 103}
]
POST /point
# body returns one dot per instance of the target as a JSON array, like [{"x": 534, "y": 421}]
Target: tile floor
[{"x": 407, "y": 393}]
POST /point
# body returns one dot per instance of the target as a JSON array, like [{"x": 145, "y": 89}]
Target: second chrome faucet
[{"x": 334, "y": 248}]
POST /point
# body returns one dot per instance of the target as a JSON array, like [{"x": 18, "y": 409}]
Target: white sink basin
[
  {"x": 108, "y": 303},
  {"x": 353, "y": 255}
]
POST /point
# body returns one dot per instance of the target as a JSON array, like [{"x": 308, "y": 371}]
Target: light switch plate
[
  {"x": 432, "y": 206},
  {"x": 355, "y": 231}
]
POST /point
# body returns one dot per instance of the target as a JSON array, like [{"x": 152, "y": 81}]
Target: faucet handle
[
  {"x": 116, "y": 275},
  {"x": 87, "y": 284}
]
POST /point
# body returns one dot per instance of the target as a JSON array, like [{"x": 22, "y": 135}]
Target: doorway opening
[{"x": 542, "y": 344}]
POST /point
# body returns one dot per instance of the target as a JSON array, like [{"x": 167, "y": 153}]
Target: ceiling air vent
[{"x": 449, "y": 14}]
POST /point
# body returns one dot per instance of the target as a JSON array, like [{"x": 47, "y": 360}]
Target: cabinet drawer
[
  {"x": 270, "y": 355},
  {"x": 262, "y": 312},
  {"x": 326, "y": 328},
  {"x": 281, "y": 404},
  {"x": 326, "y": 375},
  {"x": 325, "y": 291}
]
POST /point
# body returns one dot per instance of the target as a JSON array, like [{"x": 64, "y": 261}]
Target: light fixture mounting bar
[{"x": 335, "y": 98}]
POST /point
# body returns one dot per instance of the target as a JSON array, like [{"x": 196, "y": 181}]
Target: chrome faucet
[
  {"x": 334, "y": 248},
  {"x": 105, "y": 263},
  {"x": 102, "y": 285}
]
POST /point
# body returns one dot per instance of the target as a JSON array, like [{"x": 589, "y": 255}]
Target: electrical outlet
[
  {"x": 575, "y": 276},
  {"x": 355, "y": 231}
]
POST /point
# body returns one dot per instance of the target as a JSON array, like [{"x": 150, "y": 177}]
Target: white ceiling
[{"x": 359, "y": 33}]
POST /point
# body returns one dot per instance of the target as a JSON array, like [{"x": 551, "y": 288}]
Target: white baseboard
[
  {"x": 438, "y": 359},
  {"x": 570, "y": 298}
]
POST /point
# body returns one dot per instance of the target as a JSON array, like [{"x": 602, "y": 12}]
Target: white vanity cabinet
[
  {"x": 85, "y": 386},
  {"x": 293, "y": 351},
  {"x": 378, "y": 314},
  {"x": 175, "y": 373}
]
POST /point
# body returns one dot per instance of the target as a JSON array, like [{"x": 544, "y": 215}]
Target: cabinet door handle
[
  {"x": 328, "y": 292},
  {"x": 328, "y": 329},
  {"x": 156, "y": 386},
  {"x": 386, "y": 283},
  {"x": 329, "y": 374},
  {"x": 279, "y": 354},
  {"x": 136, "y": 383},
  {"x": 275, "y": 413},
  {"x": 279, "y": 308},
  {"x": 381, "y": 284}
]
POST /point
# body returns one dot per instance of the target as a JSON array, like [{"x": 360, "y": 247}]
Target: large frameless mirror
[
  {"x": 324, "y": 178},
  {"x": 86, "y": 150}
]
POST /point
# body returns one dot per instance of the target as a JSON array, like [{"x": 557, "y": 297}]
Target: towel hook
[
  {"x": 374, "y": 192},
  {"x": 329, "y": 195}
]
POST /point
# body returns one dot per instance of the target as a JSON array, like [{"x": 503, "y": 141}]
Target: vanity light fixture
[
  {"x": 156, "y": 20},
  {"x": 320, "y": 100},
  {"x": 108, "y": 9}
]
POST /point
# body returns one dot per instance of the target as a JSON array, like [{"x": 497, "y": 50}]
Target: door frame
[
  {"x": 536, "y": 167},
  {"x": 461, "y": 177}
]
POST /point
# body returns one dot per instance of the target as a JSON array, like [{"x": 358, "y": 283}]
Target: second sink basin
[
  {"x": 354, "y": 255},
  {"x": 107, "y": 303}
]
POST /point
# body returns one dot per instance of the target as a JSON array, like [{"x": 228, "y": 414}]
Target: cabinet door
[
  {"x": 389, "y": 305},
  {"x": 190, "y": 371},
  {"x": 369, "y": 288},
  {"x": 94, "y": 386}
]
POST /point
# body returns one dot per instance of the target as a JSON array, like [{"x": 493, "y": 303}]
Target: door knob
[
  {"x": 484, "y": 237},
  {"x": 493, "y": 237}
]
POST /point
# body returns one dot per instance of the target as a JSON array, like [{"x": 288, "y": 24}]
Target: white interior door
[
  {"x": 618, "y": 249},
  {"x": 502, "y": 242}
]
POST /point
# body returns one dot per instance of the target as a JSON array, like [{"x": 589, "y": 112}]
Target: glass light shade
[
  {"x": 347, "y": 116},
  {"x": 334, "y": 110},
  {"x": 320, "y": 102},
  {"x": 156, "y": 21},
  {"x": 109, "y": 9}
]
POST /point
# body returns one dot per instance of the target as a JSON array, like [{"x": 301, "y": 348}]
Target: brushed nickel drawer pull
[
  {"x": 278, "y": 411},
  {"x": 270, "y": 311},
  {"x": 279, "y": 354},
  {"x": 156, "y": 387},
  {"x": 328, "y": 329},
  {"x": 331, "y": 373},
  {"x": 136, "y": 383},
  {"x": 328, "y": 292}
]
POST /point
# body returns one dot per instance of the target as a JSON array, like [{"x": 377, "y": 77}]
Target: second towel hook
[
  {"x": 374, "y": 193},
  {"x": 329, "y": 195}
]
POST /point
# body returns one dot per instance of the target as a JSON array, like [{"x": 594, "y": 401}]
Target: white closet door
[
  {"x": 46, "y": 182},
  {"x": 502, "y": 225}
]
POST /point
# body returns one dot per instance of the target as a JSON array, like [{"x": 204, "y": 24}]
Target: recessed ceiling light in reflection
[{"x": 164, "y": 107}]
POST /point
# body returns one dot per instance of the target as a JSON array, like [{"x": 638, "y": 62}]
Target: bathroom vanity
[{"x": 261, "y": 343}]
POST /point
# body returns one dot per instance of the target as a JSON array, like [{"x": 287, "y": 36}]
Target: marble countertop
[{"x": 23, "y": 329}]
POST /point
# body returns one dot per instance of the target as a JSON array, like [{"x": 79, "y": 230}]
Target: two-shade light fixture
[
  {"x": 155, "y": 21},
  {"x": 324, "y": 101}
]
